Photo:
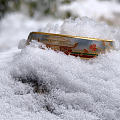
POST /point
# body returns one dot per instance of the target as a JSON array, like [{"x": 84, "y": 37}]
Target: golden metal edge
[{"x": 62, "y": 35}]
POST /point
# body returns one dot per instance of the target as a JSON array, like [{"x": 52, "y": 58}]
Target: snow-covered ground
[
  {"x": 72, "y": 88},
  {"x": 45, "y": 85},
  {"x": 38, "y": 84}
]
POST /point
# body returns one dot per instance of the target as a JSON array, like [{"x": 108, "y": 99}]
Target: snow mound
[
  {"x": 86, "y": 27},
  {"x": 68, "y": 87},
  {"x": 44, "y": 85}
]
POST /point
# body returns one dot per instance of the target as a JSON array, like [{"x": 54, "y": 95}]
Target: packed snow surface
[{"x": 37, "y": 84}]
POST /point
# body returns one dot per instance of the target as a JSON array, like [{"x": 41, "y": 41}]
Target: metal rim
[{"x": 62, "y": 35}]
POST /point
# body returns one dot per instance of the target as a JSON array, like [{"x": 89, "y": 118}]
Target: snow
[
  {"x": 37, "y": 84},
  {"x": 86, "y": 27},
  {"x": 74, "y": 88},
  {"x": 92, "y": 8},
  {"x": 17, "y": 26}
]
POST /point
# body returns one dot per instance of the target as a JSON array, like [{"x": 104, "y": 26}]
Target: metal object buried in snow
[{"x": 72, "y": 45}]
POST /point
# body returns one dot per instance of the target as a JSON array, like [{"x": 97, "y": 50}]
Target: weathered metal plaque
[{"x": 72, "y": 45}]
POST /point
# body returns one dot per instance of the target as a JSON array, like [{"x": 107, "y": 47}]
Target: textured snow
[
  {"x": 86, "y": 27},
  {"x": 37, "y": 84},
  {"x": 74, "y": 88}
]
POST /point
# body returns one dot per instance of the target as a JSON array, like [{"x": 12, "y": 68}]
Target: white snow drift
[{"x": 44, "y": 85}]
